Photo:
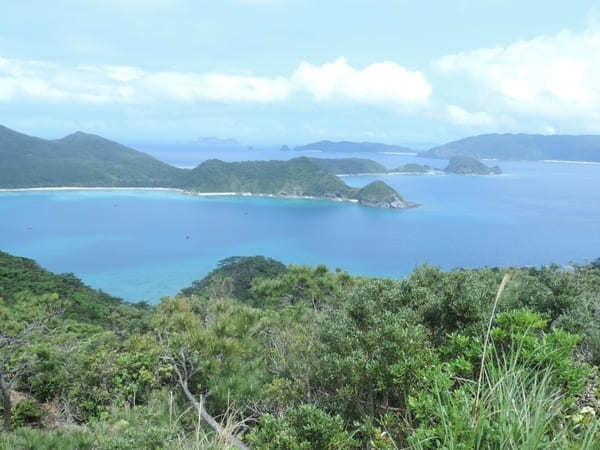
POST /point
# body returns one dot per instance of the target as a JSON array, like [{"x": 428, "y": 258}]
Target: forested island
[
  {"x": 467, "y": 165},
  {"x": 266, "y": 356},
  {"x": 528, "y": 147},
  {"x": 353, "y": 147},
  {"x": 522, "y": 147},
  {"x": 413, "y": 168},
  {"x": 84, "y": 160}
]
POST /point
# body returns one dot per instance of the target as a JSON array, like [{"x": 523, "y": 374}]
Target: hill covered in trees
[
  {"x": 84, "y": 160},
  {"x": 79, "y": 159},
  {"x": 466, "y": 165},
  {"x": 522, "y": 147},
  {"x": 306, "y": 358},
  {"x": 349, "y": 166}
]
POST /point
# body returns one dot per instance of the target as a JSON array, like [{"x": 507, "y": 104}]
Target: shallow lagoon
[{"x": 141, "y": 245}]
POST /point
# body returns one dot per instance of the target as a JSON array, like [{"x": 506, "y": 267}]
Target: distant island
[
  {"x": 352, "y": 147},
  {"x": 412, "y": 168},
  {"x": 522, "y": 147},
  {"x": 458, "y": 165},
  {"x": 466, "y": 165},
  {"x": 85, "y": 160}
]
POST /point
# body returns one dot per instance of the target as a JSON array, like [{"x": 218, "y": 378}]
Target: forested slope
[
  {"x": 312, "y": 359},
  {"x": 79, "y": 159}
]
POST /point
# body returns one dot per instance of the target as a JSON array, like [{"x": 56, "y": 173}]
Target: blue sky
[{"x": 294, "y": 71}]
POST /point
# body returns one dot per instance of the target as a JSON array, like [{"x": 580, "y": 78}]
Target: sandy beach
[
  {"x": 176, "y": 190},
  {"x": 559, "y": 161}
]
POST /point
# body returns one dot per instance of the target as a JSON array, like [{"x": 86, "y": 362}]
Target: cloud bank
[
  {"x": 550, "y": 76},
  {"x": 382, "y": 83},
  {"x": 538, "y": 83}
]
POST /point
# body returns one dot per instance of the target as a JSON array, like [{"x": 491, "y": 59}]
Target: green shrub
[
  {"x": 27, "y": 412},
  {"x": 303, "y": 428}
]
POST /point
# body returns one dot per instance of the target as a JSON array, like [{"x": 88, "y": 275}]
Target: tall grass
[{"x": 518, "y": 409}]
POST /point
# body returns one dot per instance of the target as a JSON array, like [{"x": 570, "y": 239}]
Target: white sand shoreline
[
  {"x": 177, "y": 190},
  {"x": 560, "y": 161},
  {"x": 379, "y": 174}
]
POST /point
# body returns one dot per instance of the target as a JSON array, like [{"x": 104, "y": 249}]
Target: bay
[{"x": 141, "y": 245}]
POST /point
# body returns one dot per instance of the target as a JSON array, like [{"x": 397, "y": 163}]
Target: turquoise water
[{"x": 134, "y": 244}]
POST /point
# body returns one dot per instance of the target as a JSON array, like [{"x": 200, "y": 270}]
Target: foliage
[
  {"x": 412, "y": 168},
  {"x": 303, "y": 428},
  {"x": 79, "y": 159},
  {"x": 22, "y": 276},
  {"x": 242, "y": 270},
  {"x": 296, "y": 177},
  {"x": 340, "y": 166},
  {"x": 379, "y": 194},
  {"x": 26, "y": 412},
  {"x": 304, "y": 357}
]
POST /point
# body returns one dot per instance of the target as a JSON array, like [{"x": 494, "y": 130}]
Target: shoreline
[
  {"x": 365, "y": 174},
  {"x": 562, "y": 161},
  {"x": 177, "y": 190}
]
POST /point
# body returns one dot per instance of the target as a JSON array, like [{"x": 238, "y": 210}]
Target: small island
[
  {"x": 467, "y": 165},
  {"x": 379, "y": 195},
  {"x": 412, "y": 168}
]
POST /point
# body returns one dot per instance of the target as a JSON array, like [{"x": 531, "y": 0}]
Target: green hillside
[
  {"x": 412, "y": 168},
  {"x": 296, "y": 177},
  {"x": 79, "y": 159},
  {"x": 21, "y": 277},
  {"x": 466, "y": 165},
  {"x": 349, "y": 166}
]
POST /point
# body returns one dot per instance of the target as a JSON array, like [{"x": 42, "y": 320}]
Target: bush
[
  {"x": 27, "y": 412},
  {"x": 303, "y": 428}
]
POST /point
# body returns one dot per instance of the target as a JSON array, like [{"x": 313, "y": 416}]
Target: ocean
[{"x": 142, "y": 245}]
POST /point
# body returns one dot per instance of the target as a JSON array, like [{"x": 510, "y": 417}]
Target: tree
[
  {"x": 187, "y": 349},
  {"x": 19, "y": 325}
]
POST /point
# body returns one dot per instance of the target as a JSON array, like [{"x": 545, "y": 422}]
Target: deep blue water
[{"x": 133, "y": 243}]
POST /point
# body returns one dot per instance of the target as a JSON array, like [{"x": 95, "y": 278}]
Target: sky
[{"x": 273, "y": 72}]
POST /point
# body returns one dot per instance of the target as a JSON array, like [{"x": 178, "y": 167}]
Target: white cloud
[
  {"x": 553, "y": 76},
  {"x": 379, "y": 84},
  {"x": 461, "y": 116},
  {"x": 192, "y": 87}
]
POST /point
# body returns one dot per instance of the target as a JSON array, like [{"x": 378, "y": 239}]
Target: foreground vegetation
[{"x": 305, "y": 358}]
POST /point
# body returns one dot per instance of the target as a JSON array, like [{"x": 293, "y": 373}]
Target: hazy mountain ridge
[
  {"x": 522, "y": 147},
  {"x": 352, "y": 147}
]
